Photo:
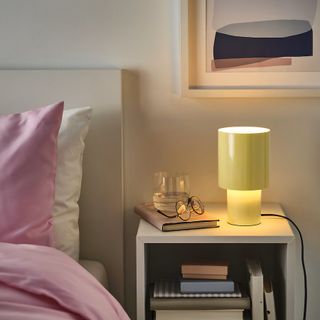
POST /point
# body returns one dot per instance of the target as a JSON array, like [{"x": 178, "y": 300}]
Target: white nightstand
[{"x": 160, "y": 254}]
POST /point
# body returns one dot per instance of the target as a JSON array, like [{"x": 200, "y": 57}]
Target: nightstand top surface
[{"x": 271, "y": 230}]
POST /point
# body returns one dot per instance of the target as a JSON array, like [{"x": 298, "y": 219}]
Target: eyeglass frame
[{"x": 188, "y": 206}]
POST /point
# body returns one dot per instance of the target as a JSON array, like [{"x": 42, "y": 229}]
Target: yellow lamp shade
[{"x": 243, "y": 158}]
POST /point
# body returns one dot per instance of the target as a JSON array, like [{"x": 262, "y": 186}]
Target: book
[
  {"x": 148, "y": 212},
  {"x": 213, "y": 268},
  {"x": 256, "y": 289},
  {"x": 203, "y": 286},
  {"x": 203, "y": 276},
  {"x": 199, "y": 303},
  {"x": 171, "y": 289},
  {"x": 270, "y": 310},
  {"x": 233, "y": 314},
  {"x": 203, "y": 303}
]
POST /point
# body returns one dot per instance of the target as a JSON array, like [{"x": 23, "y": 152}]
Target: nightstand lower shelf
[{"x": 160, "y": 255}]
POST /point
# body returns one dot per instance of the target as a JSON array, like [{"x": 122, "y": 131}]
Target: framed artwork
[{"x": 250, "y": 48}]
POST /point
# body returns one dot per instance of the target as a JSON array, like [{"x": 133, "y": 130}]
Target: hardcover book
[
  {"x": 195, "y": 286},
  {"x": 171, "y": 289},
  {"x": 256, "y": 289},
  {"x": 203, "y": 276},
  {"x": 213, "y": 268},
  {"x": 148, "y": 212},
  {"x": 270, "y": 311},
  {"x": 200, "y": 303},
  {"x": 199, "y": 314},
  {"x": 159, "y": 302}
]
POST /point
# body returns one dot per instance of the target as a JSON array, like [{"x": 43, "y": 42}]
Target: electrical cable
[{"x": 302, "y": 259}]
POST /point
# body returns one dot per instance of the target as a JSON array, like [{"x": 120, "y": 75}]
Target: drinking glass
[{"x": 169, "y": 188}]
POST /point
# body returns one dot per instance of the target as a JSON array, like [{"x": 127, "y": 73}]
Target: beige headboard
[{"x": 101, "y": 204}]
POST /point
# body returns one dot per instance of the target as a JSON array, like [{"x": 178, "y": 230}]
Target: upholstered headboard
[{"x": 101, "y": 203}]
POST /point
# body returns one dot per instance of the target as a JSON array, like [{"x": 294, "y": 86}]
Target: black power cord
[{"x": 302, "y": 258}]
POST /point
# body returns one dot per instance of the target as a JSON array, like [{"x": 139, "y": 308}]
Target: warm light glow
[
  {"x": 244, "y": 130},
  {"x": 244, "y": 207}
]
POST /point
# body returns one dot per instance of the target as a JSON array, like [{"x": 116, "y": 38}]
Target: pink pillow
[{"x": 28, "y": 152}]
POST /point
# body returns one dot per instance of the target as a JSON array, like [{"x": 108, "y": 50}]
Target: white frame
[{"x": 204, "y": 84}]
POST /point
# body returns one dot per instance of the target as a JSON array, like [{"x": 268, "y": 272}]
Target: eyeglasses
[{"x": 185, "y": 209}]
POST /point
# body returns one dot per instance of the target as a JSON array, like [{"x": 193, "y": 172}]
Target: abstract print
[{"x": 246, "y": 33}]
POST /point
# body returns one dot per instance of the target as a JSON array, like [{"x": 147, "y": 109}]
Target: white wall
[{"x": 166, "y": 131}]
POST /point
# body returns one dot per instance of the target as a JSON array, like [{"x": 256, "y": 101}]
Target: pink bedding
[{"x": 38, "y": 282}]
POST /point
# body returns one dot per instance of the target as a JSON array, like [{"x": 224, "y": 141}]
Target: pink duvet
[{"x": 42, "y": 283}]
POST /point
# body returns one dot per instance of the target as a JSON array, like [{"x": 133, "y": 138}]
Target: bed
[{"x": 101, "y": 200}]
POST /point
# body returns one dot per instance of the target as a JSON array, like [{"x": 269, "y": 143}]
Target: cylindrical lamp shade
[{"x": 243, "y": 158}]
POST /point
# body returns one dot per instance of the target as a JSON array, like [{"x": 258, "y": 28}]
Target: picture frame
[{"x": 196, "y": 81}]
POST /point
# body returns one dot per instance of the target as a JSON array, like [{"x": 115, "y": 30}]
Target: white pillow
[{"x": 73, "y": 131}]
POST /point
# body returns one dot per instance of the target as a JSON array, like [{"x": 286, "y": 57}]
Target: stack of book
[{"x": 204, "y": 292}]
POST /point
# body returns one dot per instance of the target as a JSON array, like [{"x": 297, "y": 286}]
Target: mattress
[{"x": 97, "y": 269}]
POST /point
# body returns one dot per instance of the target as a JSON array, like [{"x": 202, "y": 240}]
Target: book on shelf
[
  {"x": 204, "y": 303},
  {"x": 204, "y": 285},
  {"x": 171, "y": 289},
  {"x": 203, "y": 276},
  {"x": 200, "y": 303},
  {"x": 270, "y": 312},
  {"x": 170, "y": 304},
  {"x": 256, "y": 289},
  {"x": 148, "y": 212},
  {"x": 233, "y": 314},
  {"x": 208, "y": 268}
]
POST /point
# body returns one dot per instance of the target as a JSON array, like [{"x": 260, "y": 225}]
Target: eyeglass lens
[
  {"x": 196, "y": 205},
  {"x": 183, "y": 211}
]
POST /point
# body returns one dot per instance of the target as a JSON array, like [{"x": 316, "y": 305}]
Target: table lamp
[{"x": 243, "y": 167}]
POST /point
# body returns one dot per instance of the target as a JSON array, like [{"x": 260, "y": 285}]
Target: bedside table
[{"x": 159, "y": 254}]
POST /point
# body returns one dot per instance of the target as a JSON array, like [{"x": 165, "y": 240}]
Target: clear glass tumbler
[{"x": 168, "y": 189}]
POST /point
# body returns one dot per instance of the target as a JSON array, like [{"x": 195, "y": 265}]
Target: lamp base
[{"x": 244, "y": 207}]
